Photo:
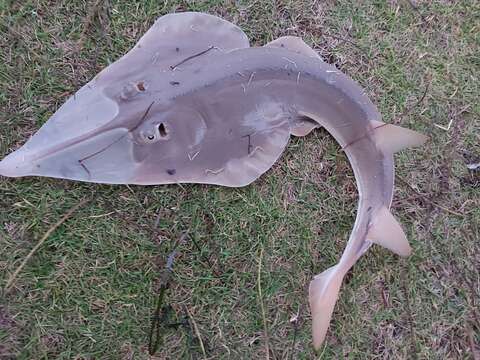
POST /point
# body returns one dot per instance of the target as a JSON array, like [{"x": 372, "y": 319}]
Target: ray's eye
[
  {"x": 162, "y": 130},
  {"x": 155, "y": 132}
]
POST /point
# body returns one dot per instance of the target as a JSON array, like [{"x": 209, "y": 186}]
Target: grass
[{"x": 89, "y": 291}]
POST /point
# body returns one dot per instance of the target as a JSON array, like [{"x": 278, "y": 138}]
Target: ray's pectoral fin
[
  {"x": 249, "y": 156},
  {"x": 387, "y": 232},
  {"x": 256, "y": 142},
  {"x": 173, "y": 40},
  {"x": 391, "y": 139}
]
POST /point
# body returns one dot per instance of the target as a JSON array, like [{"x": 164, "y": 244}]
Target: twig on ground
[
  {"x": 473, "y": 347},
  {"x": 197, "y": 332},
  {"x": 157, "y": 220},
  {"x": 155, "y": 325},
  {"x": 446, "y": 128},
  {"x": 94, "y": 10},
  {"x": 452, "y": 118},
  {"x": 104, "y": 20},
  {"x": 470, "y": 287},
  {"x": 340, "y": 38},
  {"x": 408, "y": 307},
  {"x": 41, "y": 241},
  {"x": 155, "y": 336},
  {"x": 262, "y": 306},
  {"x": 294, "y": 320},
  {"x": 385, "y": 295},
  {"x": 415, "y": 8},
  {"x": 417, "y": 103},
  {"x": 206, "y": 259},
  {"x": 424, "y": 197}
]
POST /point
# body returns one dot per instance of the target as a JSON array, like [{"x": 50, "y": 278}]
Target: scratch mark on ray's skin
[
  {"x": 249, "y": 147},
  {"x": 214, "y": 172},
  {"x": 192, "y": 157},
  {"x": 291, "y": 62},
  {"x": 173, "y": 67},
  {"x": 251, "y": 79},
  {"x": 113, "y": 142},
  {"x": 85, "y": 168},
  {"x": 257, "y": 148},
  {"x": 362, "y": 137},
  {"x": 143, "y": 117}
]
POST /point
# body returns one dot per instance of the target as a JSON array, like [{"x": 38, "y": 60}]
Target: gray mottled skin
[{"x": 185, "y": 107}]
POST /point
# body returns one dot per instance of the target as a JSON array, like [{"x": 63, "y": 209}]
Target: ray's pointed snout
[
  {"x": 74, "y": 144},
  {"x": 105, "y": 157},
  {"x": 16, "y": 164}
]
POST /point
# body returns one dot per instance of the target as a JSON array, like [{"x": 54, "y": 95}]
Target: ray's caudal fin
[
  {"x": 383, "y": 230},
  {"x": 324, "y": 288}
]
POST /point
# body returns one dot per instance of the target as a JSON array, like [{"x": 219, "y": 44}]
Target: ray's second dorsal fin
[
  {"x": 387, "y": 232},
  {"x": 391, "y": 139}
]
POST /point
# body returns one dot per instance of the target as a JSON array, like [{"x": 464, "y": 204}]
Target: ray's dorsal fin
[
  {"x": 302, "y": 125},
  {"x": 391, "y": 139},
  {"x": 294, "y": 44},
  {"x": 323, "y": 294},
  {"x": 387, "y": 232}
]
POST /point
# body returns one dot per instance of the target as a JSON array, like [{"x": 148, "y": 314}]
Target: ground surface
[{"x": 89, "y": 291}]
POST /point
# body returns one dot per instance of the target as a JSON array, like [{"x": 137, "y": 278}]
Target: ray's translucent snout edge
[{"x": 16, "y": 164}]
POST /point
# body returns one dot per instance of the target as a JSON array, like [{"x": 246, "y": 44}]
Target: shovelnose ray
[{"x": 193, "y": 103}]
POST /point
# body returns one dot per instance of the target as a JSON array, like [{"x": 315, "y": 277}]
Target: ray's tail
[
  {"x": 324, "y": 288},
  {"x": 382, "y": 229}
]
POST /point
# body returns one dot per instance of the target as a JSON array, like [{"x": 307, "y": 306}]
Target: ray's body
[{"x": 218, "y": 112}]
